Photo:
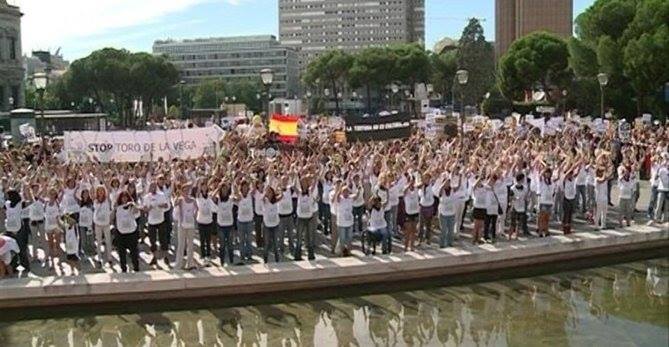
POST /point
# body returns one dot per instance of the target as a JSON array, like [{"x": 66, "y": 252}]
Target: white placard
[{"x": 136, "y": 146}]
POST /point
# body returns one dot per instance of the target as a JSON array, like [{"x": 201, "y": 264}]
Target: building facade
[
  {"x": 45, "y": 62},
  {"x": 234, "y": 58},
  {"x": 315, "y": 26},
  {"x": 517, "y": 18},
  {"x": 11, "y": 65}
]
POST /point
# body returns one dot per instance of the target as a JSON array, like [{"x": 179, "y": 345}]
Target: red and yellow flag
[{"x": 285, "y": 126}]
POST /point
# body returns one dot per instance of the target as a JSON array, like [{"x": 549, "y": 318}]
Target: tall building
[
  {"x": 234, "y": 58},
  {"x": 517, "y": 18},
  {"x": 314, "y": 26},
  {"x": 45, "y": 62},
  {"x": 11, "y": 65}
]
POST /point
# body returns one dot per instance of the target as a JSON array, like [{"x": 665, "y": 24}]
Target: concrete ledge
[{"x": 261, "y": 279}]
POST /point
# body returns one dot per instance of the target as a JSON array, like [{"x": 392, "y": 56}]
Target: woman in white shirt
[
  {"x": 102, "y": 210},
  {"x": 344, "y": 204},
  {"x": 626, "y": 186},
  {"x": 186, "y": 213},
  {"x": 480, "y": 202},
  {"x": 546, "y": 200},
  {"x": 243, "y": 198},
  {"x": 411, "y": 211},
  {"x": 126, "y": 226},
  {"x": 205, "y": 221},
  {"x": 378, "y": 227},
  {"x": 426, "y": 209},
  {"x": 225, "y": 222},
  {"x": 14, "y": 207},
  {"x": 36, "y": 214},
  {"x": 325, "y": 212},
  {"x": 52, "y": 214},
  {"x": 449, "y": 201},
  {"x": 286, "y": 222},
  {"x": 86, "y": 236},
  {"x": 270, "y": 218},
  {"x": 155, "y": 204},
  {"x": 601, "y": 197},
  {"x": 307, "y": 195}
]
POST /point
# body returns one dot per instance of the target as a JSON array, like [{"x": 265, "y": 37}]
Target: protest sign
[
  {"x": 137, "y": 146},
  {"x": 378, "y": 128}
]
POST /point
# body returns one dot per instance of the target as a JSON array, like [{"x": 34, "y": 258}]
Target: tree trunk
[{"x": 369, "y": 99}]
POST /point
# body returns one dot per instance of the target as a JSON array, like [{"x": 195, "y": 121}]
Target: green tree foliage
[
  {"x": 536, "y": 60},
  {"x": 113, "y": 74},
  {"x": 476, "y": 55},
  {"x": 372, "y": 70},
  {"x": 626, "y": 38},
  {"x": 444, "y": 67},
  {"x": 209, "y": 94},
  {"x": 330, "y": 70}
]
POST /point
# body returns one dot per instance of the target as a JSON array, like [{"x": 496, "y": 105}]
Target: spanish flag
[{"x": 285, "y": 126}]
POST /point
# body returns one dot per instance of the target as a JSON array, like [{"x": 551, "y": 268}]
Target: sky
[{"x": 79, "y": 27}]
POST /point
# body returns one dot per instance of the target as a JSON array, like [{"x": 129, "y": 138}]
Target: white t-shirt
[
  {"x": 426, "y": 196},
  {"x": 187, "y": 214},
  {"x": 125, "y": 220},
  {"x": 286, "y": 203},
  {"x": 411, "y": 202},
  {"x": 519, "y": 198},
  {"x": 377, "y": 220},
  {"x": 36, "y": 212},
  {"x": 270, "y": 216},
  {"x": 480, "y": 197},
  {"x": 205, "y": 210},
  {"x": 224, "y": 215},
  {"x": 51, "y": 215},
  {"x": 663, "y": 179},
  {"x": 70, "y": 204},
  {"x": 546, "y": 193},
  {"x": 569, "y": 188},
  {"x": 327, "y": 188},
  {"x": 86, "y": 216},
  {"x": 13, "y": 217},
  {"x": 447, "y": 203},
  {"x": 258, "y": 202},
  {"x": 304, "y": 204},
  {"x": 344, "y": 212},
  {"x": 102, "y": 213},
  {"x": 602, "y": 191},
  {"x": 245, "y": 209},
  {"x": 626, "y": 188},
  {"x": 156, "y": 214}
]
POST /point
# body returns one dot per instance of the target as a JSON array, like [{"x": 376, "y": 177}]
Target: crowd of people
[{"x": 242, "y": 202}]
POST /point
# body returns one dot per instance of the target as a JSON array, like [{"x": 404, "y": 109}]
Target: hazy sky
[{"x": 81, "y": 26}]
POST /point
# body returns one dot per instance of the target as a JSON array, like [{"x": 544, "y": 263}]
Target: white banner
[{"x": 136, "y": 146}]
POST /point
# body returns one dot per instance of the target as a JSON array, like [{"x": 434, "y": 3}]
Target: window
[{"x": 12, "y": 48}]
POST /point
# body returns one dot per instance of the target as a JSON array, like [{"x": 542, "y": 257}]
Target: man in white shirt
[
  {"x": 519, "y": 201},
  {"x": 155, "y": 205},
  {"x": 662, "y": 206}
]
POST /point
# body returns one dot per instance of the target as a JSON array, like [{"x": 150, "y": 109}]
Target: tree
[
  {"x": 444, "y": 67},
  {"x": 173, "y": 112},
  {"x": 209, "y": 94},
  {"x": 371, "y": 71},
  {"x": 331, "y": 71},
  {"x": 477, "y": 56},
  {"x": 540, "y": 60},
  {"x": 412, "y": 66},
  {"x": 646, "y": 63}
]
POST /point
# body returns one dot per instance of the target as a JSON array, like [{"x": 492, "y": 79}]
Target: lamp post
[
  {"x": 182, "y": 103},
  {"x": 41, "y": 80},
  {"x": 461, "y": 77},
  {"x": 267, "y": 77},
  {"x": 395, "y": 89},
  {"x": 603, "y": 81}
]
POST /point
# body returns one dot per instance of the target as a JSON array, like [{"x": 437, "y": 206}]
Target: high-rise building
[
  {"x": 315, "y": 26},
  {"x": 234, "y": 58},
  {"x": 11, "y": 65},
  {"x": 517, "y": 18}
]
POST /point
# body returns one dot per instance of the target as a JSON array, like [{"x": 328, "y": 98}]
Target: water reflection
[{"x": 625, "y": 305}]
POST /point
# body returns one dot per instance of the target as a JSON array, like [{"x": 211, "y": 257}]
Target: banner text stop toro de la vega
[{"x": 141, "y": 146}]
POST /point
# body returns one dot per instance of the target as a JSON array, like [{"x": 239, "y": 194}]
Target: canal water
[{"x": 620, "y": 305}]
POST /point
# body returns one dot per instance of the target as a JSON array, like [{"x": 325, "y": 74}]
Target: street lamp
[
  {"x": 182, "y": 103},
  {"x": 395, "y": 89},
  {"x": 267, "y": 77},
  {"x": 41, "y": 80},
  {"x": 461, "y": 77},
  {"x": 603, "y": 81}
]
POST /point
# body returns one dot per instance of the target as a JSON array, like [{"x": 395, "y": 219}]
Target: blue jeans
[
  {"x": 345, "y": 236},
  {"x": 225, "y": 241},
  {"x": 270, "y": 236},
  {"x": 447, "y": 224},
  {"x": 662, "y": 208},
  {"x": 245, "y": 229},
  {"x": 652, "y": 203}
]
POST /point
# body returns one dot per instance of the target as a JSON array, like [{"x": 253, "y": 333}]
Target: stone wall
[{"x": 11, "y": 64}]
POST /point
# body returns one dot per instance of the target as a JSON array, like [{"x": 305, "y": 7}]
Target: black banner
[{"x": 378, "y": 128}]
